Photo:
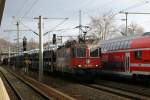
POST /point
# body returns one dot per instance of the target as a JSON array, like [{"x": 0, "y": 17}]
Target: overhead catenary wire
[
  {"x": 28, "y": 10},
  {"x": 52, "y": 29},
  {"x": 23, "y": 5},
  {"x": 65, "y": 29},
  {"x": 86, "y": 3},
  {"x": 100, "y": 6},
  {"x": 29, "y": 28},
  {"x": 58, "y": 24},
  {"x": 136, "y": 5},
  {"x": 31, "y": 7},
  {"x": 139, "y": 4},
  {"x": 131, "y": 7}
]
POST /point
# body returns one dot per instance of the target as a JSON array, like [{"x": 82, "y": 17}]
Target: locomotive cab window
[
  {"x": 73, "y": 52},
  {"x": 138, "y": 54},
  {"x": 94, "y": 52},
  {"x": 81, "y": 52},
  {"x": 100, "y": 53}
]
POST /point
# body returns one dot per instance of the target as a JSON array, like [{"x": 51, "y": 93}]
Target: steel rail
[{"x": 12, "y": 87}]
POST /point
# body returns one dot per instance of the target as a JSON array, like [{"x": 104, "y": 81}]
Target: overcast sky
[{"x": 70, "y": 9}]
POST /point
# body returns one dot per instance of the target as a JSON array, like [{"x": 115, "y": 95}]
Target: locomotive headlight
[
  {"x": 79, "y": 66},
  {"x": 88, "y": 61},
  {"x": 96, "y": 65}
]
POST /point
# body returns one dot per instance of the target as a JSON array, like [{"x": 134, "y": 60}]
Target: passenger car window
[{"x": 138, "y": 54}]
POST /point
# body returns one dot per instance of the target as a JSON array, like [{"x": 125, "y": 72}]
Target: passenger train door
[{"x": 127, "y": 62}]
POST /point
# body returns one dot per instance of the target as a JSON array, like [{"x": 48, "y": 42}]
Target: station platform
[{"x": 3, "y": 93}]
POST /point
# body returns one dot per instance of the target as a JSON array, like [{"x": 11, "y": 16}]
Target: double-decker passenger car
[{"x": 128, "y": 56}]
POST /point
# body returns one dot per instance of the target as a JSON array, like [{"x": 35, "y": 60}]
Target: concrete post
[{"x": 40, "y": 48}]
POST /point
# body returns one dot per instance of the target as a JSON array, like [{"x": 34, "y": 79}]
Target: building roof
[{"x": 2, "y": 5}]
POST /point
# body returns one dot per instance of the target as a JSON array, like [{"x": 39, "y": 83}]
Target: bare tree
[
  {"x": 32, "y": 44},
  {"x": 4, "y": 44},
  {"x": 103, "y": 25},
  {"x": 133, "y": 28}
]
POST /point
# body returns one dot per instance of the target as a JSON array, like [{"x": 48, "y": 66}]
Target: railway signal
[
  {"x": 54, "y": 38},
  {"x": 24, "y": 44}
]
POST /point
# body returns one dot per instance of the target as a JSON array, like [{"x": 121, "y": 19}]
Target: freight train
[
  {"x": 78, "y": 58},
  {"x": 127, "y": 56}
]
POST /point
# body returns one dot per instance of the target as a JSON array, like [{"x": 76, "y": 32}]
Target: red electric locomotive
[
  {"x": 78, "y": 58},
  {"x": 128, "y": 56}
]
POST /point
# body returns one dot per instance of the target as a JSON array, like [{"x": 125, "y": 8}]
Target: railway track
[
  {"x": 127, "y": 93},
  {"x": 22, "y": 90},
  {"x": 133, "y": 88},
  {"x": 103, "y": 90},
  {"x": 28, "y": 89}
]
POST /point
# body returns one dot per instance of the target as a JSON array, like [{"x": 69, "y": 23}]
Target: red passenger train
[{"x": 127, "y": 56}]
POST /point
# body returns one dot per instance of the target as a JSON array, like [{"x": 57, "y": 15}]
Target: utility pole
[
  {"x": 80, "y": 22},
  {"x": 40, "y": 48},
  {"x": 126, "y": 19},
  {"x": 9, "y": 55},
  {"x": 61, "y": 39},
  {"x": 18, "y": 48},
  {"x": 126, "y": 13},
  {"x": 40, "y": 18},
  {"x": 18, "y": 37}
]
